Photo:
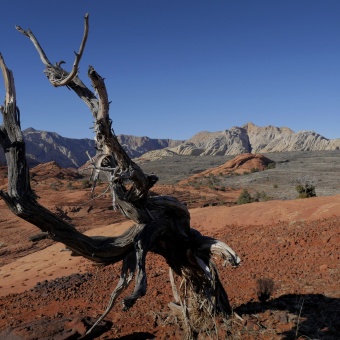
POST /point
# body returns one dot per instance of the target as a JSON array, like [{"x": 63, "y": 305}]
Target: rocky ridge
[
  {"x": 45, "y": 146},
  {"x": 249, "y": 138}
]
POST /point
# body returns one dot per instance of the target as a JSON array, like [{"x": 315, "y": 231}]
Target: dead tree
[{"x": 162, "y": 223}]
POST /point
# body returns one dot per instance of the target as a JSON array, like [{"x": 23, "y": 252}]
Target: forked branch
[{"x": 68, "y": 77}]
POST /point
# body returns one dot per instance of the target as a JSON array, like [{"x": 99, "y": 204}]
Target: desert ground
[{"x": 292, "y": 244}]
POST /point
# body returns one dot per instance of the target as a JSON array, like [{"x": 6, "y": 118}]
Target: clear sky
[{"x": 177, "y": 67}]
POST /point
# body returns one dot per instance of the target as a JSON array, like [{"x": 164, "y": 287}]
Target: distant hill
[{"x": 42, "y": 146}]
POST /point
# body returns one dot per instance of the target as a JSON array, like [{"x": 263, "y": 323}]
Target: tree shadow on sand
[{"x": 311, "y": 316}]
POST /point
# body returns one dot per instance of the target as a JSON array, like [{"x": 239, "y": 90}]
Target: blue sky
[{"x": 174, "y": 68}]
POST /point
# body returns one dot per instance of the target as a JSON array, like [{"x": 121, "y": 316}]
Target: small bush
[
  {"x": 275, "y": 186},
  {"x": 86, "y": 184},
  {"x": 261, "y": 197},
  {"x": 306, "y": 190},
  {"x": 271, "y": 165},
  {"x": 245, "y": 197}
]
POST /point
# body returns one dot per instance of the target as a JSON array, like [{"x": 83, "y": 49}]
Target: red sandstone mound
[
  {"x": 245, "y": 162},
  {"x": 241, "y": 164},
  {"x": 53, "y": 170}
]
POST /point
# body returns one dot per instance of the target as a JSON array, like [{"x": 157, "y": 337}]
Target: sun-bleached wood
[{"x": 162, "y": 223}]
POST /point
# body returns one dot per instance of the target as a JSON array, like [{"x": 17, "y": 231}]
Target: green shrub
[
  {"x": 271, "y": 165},
  {"x": 245, "y": 197},
  {"x": 306, "y": 190},
  {"x": 261, "y": 197}
]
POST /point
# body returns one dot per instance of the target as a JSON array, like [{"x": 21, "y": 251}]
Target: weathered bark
[{"x": 162, "y": 223}]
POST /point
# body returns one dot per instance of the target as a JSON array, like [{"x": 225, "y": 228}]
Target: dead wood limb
[
  {"x": 66, "y": 77},
  {"x": 126, "y": 276},
  {"x": 55, "y": 73},
  {"x": 162, "y": 223},
  {"x": 75, "y": 67}
]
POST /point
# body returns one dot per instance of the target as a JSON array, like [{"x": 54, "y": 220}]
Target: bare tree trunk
[{"x": 162, "y": 223}]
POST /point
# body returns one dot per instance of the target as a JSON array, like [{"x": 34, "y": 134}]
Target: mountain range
[
  {"x": 248, "y": 138},
  {"x": 42, "y": 146}
]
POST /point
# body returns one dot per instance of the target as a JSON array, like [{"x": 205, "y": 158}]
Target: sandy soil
[{"x": 46, "y": 293}]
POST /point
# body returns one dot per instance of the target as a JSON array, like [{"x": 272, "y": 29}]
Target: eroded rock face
[
  {"x": 265, "y": 139},
  {"x": 227, "y": 142}
]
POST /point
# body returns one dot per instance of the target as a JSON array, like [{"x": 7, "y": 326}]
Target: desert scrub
[
  {"x": 271, "y": 165},
  {"x": 245, "y": 197},
  {"x": 261, "y": 197},
  {"x": 305, "y": 190}
]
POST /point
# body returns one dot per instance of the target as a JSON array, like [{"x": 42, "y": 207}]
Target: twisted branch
[{"x": 162, "y": 223}]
